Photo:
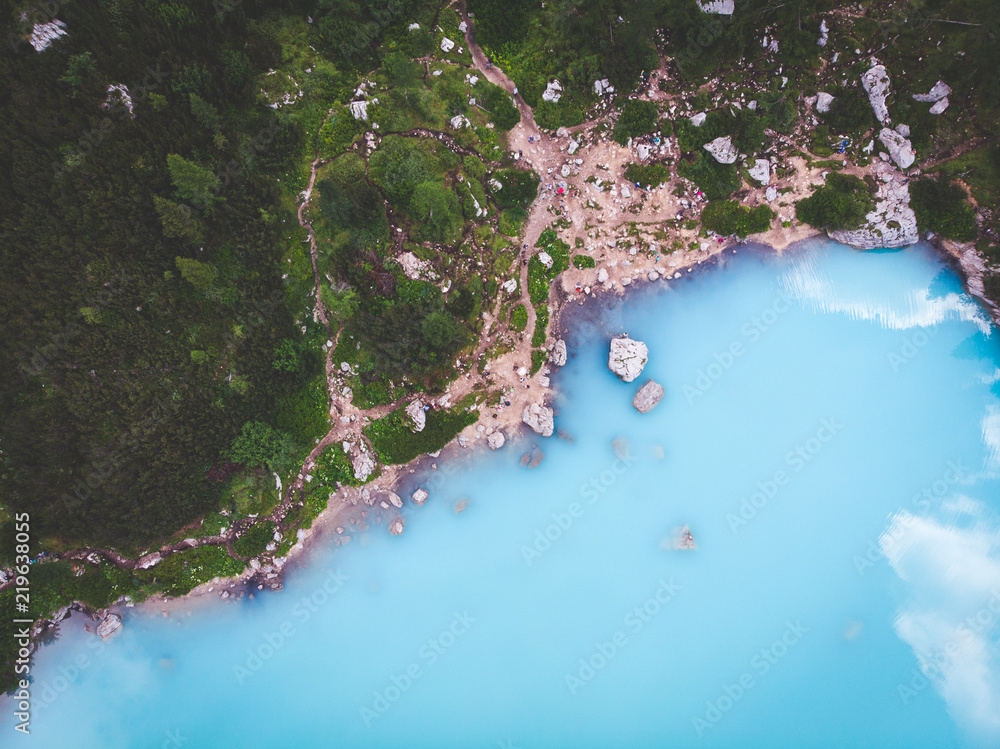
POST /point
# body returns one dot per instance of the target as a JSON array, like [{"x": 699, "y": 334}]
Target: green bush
[
  {"x": 717, "y": 181},
  {"x": 727, "y": 217},
  {"x": 333, "y": 467},
  {"x": 498, "y": 103},
  {"x": 538, "y": 281},
  {"x": 554, "y": 115},
  {"x": 584, "y": 261},
  {"x": 637, "y": 118},
  {"x": 519, "y": 318},
  {"x": 647, "y": 174},
  {"x": 511, "y": 221},
  {"x": 254, "y": 541},
  {"x": 941, "y": 207},
  {"x": 991, "y": 286},
  {"x": 541, "y": 323},
  {"x": 538, "y": 358},
  {"x": 850, "y": 111},
  {"x": 518, "y": 188},
  {"x": 395, "y": 442},
  {"x": 841, "y": 204}
]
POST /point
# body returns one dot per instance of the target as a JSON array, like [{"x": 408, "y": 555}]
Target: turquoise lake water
[{"x": 831, "y": 435}]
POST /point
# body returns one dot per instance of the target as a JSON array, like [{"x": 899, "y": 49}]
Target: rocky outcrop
[
  {"x": 699, "y": 119},
  {"x": 722, "y": 149},
  {"x": 416, "y": 413},
  {"x": 420, "y": 496},
  {"x": 553, "y": 92},
  {"x": 395, "y": 500},
  {"x": 557, "y": 354},
  {"x": 495, "y": 440},
  {"x": 627, "y": 357},
  {"x": 602, "y": 275},
  {"x": 876, "y": 84},
  {"x": 363, "y": 464},
  {"x": 900, "y": 149},
  {"x": 940, "y": 106},
  {"x": 823, "y": 102},
  {"x": 647, "y": 397},
  {"x": 109, "y": 625},
  {"x": 892, "y": 223},
  {"x": 761, "y": 171},
  {"x": 939, "y": 91},
  {"x": 541, "y": 419}
]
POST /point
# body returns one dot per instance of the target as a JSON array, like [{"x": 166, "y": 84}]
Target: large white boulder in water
[
  {"x": 627, "y": 357},
  {"x": 900, "y": 148},
  {"x": 647, "y": 397},
  {"x": 109, "y": 625},
  {"x": 495, "y": 440},
  {"x": 876, "y": 84},
  {"x": 540, "y": 418},
  {"x": 722, "y": 149}
]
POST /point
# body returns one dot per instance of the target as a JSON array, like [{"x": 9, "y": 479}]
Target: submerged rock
[
  {"x": 420, "y": 496},
  {"x": 397, "y": 525},
  {"x": 627, "y": 357},
  {"x": 541, "y": 419},
  {"x": 647, "y": 397}
]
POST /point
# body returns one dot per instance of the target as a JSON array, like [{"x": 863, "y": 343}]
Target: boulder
[
  {"x": 602, "y": 275},
  {"x": 699, "y": 119},
  {"x": 539, "y": 418},
  {"x": 396, "y": 526},
  {"x": 603, "y": 86},
  {"x": 939, "y": 91},
  {"x": 627, "y": 357},
  {"x": 447, "y": 45},
  {"x": 642, "y": 151},
  {"x": 722, "y": 149},
  {"x": 823, "y": 102},
  {"x": 626, "y": 193},
  {"x": 495, "y": 440},
  {"x": 771, "y": 194},
  {"x": 109, "y": 625},
  {"x": 363, "y": 465},
  {"x": 149, "y": 560},
  {"x": 395, "y": 500},
  {"x": 546, "y": 259},
  {"x": 557, "y": 353},
  {"x": 718, "y": 7},
  {"x": 417, "y": 415},
  {"x": 761, "y": 171},
  {"x": 647, "y": 397},
  {"x": 900, "y": 149},
  {"x": 903, "y": 129},
  {"x": 939, "y": 107},
  {"x": 876, "y": 84},
  {"x": 553, "y": 92},
  {"x": 420, "y": 496}
]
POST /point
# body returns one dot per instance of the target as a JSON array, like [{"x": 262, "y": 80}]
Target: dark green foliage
[
  {"x": 541, "y": 323},
  {"x": 200, "y": 275},
  {"x": 395, "y": 442},
  {"x": 554, "y": 115},
  {"x": 637, "y": 118},
  {"x": 178, "y": 221},
  {"x": 519, "y": 318},
  {"x": 498, "y": 103},
  {"x": 538, "y": 358},
  {"x": 647, "y": 174},
  {"x": 437, "y": 207},
  {"x": 717, "y": 181},
  {"x": 991, "y": 286},
  {"x": 511, "y": 220},
  {"x": 333, "y": 467},
  {"x": 583, "y": 261},
  {"x": 841, "y": 204},
  {"x": 289, "y": 356},
  {"x": 499, "y": 22},
  {"x": 194, "y": 183},
  {"x": 727, "y": 217},
  {"x": 850, "y": 112},
  {"x": 254, "y": 541},
  {"x": 941, "y": 207},
  {"x": 260, "y": 445},
  {"x": 519, "y": 188}
]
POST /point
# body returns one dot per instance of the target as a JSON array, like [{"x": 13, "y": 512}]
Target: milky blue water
[{"x": 831, "y": 435}]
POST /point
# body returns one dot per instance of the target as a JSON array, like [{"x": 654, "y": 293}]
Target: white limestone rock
[
  {"x": 939, "y": 91},
  {"x": 359, "y": 109},
  {"x": 396, "y": 526},
  {"x": 420, "y": 496},
  {"x": 395, "y": 500},
  {"x": 626, "y": 192},
  {"x": 417, "y": 415},
  {"x": 447, "y": 45},
  {"x": 892, "y": 222},
  {"x": 642, "y": 151},
  {"x": 940, "y": 106},
  {"x": 109, "y": 625},
  {"x": 718, "y": 7},
  {"x": 541, "y": 419},
  {"x": 149, "y": 560},
  {"x": 602, "y": 275},
  {"x": 627, "y": 357},
  {"x": 603, "y": 86},
  {"x": 823, "y": 101},
  {"x": 722, "y": 149},
  {"x": 363, "y": 465},
  {"x": 900, "y": 149},
  {"x": 463, "y": 26},
  {"x": 495, "y": 441},
  {"x": 43, "y": 34},
  {"x": 761, "y": 171},
  {"x": 876, "y": 84},
  {"x": 824, "y": 31},
  {"x": 573, "y": 146},
  {"x": 903, "y": 130},
  {"x": 771, "y": 194},
  {"x": 699, "y": 119},
  {"x": 557, "y": 354},
  {"x": 647, "y": 397},
  {"x": 546, "y": 259},
  {"x": 510, "y": 285},
  {"x": 553, "y": 91}
]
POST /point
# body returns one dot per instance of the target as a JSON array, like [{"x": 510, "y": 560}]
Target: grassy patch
[
  {"x": 395, "y": 442},
  {"x": 255, "y": 540},
  {"x": 647, "y": 174},
  {"x": 583, "y": 261},
  {"x": 541, "y": 323},
  {"x": 727, "y": 217},
  {"x": 519, "y": 318}
]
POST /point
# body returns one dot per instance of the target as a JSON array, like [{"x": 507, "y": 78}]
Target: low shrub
[
  {"x": 395, "y": 442},
  {"x": 584, "y": 261},
  {"x": 519, "y": 318},
  {"x": 727, "y": 217},
  {"x": 841, "y": 204},
  {"x": 941, "y": 207}
]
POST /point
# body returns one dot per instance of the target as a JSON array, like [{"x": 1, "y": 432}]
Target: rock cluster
[
  {"x": 109, "y": 625},
  {"x": 363, "y": 464},
  {"x": 539, "y": 418},
  {"x": 420, "y": 496},
  {"x": 647, "y": 397},
  {"x": 900, "y": 149},
  {"x": 627, "y": 357}
]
